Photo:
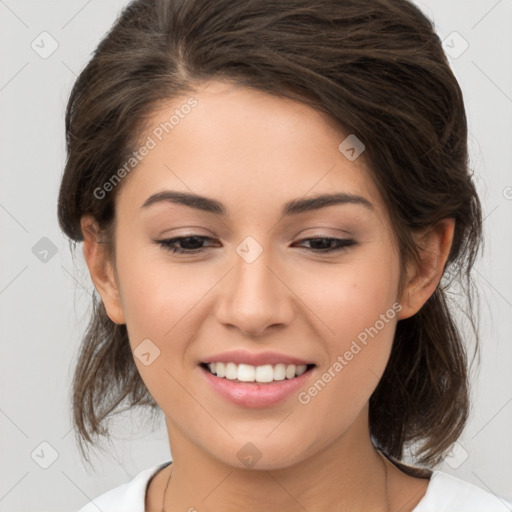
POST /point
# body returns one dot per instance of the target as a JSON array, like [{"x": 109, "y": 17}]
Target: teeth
[{"x": 249, "y": 373}]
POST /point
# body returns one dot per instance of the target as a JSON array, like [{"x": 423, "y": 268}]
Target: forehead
[{"x": 247, "y": 148}]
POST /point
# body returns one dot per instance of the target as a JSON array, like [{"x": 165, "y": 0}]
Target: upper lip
[{"x": 254, "y": 359}]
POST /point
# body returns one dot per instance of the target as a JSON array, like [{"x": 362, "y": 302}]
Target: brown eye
[
  {"x": 189, "y": 244},
  {"x": 193, "y": 244},
  {"x": 328, "y": 245}
]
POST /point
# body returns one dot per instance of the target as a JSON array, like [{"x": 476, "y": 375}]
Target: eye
[
  {"x": 193, "y": 244},
  {"x": 328, "y": 245}
]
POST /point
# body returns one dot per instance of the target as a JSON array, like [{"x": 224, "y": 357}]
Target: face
[{"x": 253, "y": 279}]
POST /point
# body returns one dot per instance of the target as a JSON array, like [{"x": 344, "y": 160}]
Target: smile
[
  {"x": 252, "y": 393},
  {"x": 261, "y": 374}
]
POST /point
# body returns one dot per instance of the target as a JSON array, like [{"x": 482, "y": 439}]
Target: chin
[{"x": 262, "y": 454}]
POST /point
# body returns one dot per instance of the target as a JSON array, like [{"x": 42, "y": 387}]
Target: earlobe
[
  {"x": 434, "y": 246},
  {"x": 101, "y": 269}
]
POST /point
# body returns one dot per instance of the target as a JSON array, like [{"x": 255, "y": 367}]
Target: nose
[{"x": 255, "y": 297}]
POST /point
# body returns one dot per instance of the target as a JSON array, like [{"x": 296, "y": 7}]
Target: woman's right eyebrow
[{"x": 292, "y": 207}]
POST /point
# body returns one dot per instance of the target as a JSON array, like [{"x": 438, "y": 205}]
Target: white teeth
[
  {"x": 249, "y": 373},
  {"x": 279, "y": 371},
  {"x": 290, "y": 371},
  {"x": 231, "y": 371}
]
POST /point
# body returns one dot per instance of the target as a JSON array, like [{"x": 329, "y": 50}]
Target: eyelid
[
  {"x": 341, "y": 244},
  {"x": 322, "y": 234}
]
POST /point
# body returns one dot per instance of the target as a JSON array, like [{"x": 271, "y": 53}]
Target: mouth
[
  {"x": 264, "y": 374},
  {"x": 256, "y": 387}
]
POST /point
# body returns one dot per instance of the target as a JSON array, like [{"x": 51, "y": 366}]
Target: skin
[{"x": 253, "y": 152}]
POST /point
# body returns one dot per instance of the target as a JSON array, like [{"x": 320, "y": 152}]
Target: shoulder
[
  {"x": 128, "y": 497},
  {"x": 447, "y": 493}
]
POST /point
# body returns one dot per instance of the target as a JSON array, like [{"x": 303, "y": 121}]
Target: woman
[{"x": 273, "y": 198}]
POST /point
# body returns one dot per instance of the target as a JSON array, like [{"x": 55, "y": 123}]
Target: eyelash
[{"x": 341, "y": 244}]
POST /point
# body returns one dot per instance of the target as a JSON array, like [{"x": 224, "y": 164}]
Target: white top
[{"x": 445, "y": 493}]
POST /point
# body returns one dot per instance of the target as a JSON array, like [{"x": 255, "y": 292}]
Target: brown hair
[{"x": 377, "y": 68}]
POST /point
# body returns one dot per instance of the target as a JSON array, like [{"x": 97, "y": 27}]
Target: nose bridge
[{"x": 255, "y": 298}]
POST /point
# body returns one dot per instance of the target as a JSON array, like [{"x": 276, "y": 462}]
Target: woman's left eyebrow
[{"x": 293, "y": 207}]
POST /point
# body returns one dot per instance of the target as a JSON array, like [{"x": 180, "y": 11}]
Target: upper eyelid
[
  {"x": 350, "y": 241},
  {"x": 342, "y": 233},
  {"x": 210, "y": 238}
]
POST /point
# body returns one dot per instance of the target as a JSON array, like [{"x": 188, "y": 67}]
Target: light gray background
[{"x": 44, "y": 305}]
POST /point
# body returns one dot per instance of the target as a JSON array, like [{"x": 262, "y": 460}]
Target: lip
[
  {"x": 255, "y": 395},
  {"x": 255, "y": 359}
]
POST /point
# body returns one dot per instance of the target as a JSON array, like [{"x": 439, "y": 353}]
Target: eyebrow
[{"x": 292, "y": 207}]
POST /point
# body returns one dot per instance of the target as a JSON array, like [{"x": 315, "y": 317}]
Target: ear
[
  {"x": 434, "y": 246},
  {"x": 101, "y": 269}
]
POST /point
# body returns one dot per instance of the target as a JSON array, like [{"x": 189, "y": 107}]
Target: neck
[{"x": 348, "y": 474}]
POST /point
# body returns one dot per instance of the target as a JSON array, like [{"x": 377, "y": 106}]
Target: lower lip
[{"x": 253, "y": 394}]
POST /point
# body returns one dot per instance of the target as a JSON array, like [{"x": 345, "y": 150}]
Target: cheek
[
  {"x": 356, "y": 302},
  {"x": 358, "y": 305},
  {"x": 350, "y": 296},
  {"x": 161, "y": 302},
  {"x": 157, "y": 295}
]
